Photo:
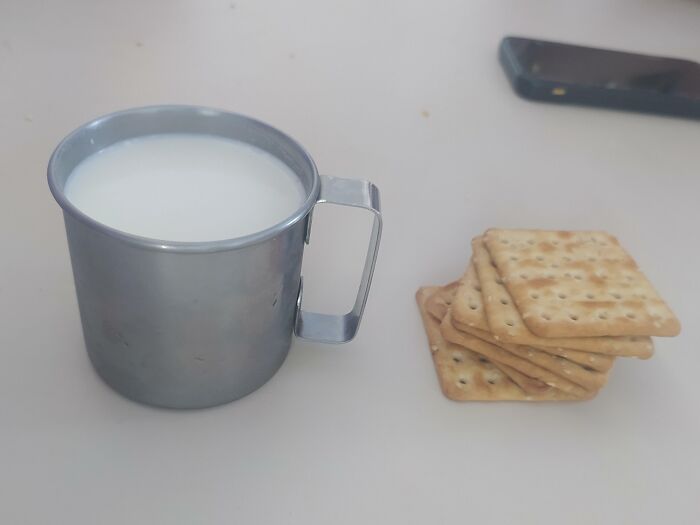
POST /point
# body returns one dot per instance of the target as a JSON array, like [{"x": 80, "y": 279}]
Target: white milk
[{"x": 182, "y": 187}]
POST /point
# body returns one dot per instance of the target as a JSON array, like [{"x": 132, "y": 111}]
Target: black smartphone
[{"x": 565, "y": 73}]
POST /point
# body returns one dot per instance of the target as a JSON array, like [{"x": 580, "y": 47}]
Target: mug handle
[{"x": 325, "y": 328}]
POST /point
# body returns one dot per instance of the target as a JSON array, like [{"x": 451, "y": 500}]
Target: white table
[{"x": 410, "y": 95}]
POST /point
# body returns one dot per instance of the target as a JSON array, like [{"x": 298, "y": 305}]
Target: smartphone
[{"x": 565, "y": 73}]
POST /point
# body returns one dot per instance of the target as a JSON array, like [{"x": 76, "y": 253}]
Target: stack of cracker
[{"x": 541, "y": 316}]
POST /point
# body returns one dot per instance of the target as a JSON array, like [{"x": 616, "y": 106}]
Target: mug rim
[{"x": 183, "y": 246}]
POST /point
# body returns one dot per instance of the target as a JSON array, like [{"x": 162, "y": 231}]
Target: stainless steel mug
[{"x": 197, "y": 324}]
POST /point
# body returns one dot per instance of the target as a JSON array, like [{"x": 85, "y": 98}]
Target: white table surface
[{"x": 410, "y": 95}]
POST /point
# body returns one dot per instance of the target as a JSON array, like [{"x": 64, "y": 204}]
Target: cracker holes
[
  {"x": 590, "y": 296},
  {"x": 491, "y": 381},
  {"x": 482, "y": 359},
  {"x": 505, "y": 241},
  {"x": 568, "y": 274},
  {"x": 539, "y": 258},
  {"x": 523, "y": 276},
  {"x": 530, "y": 242},
  {"x": 554, "y": 265},
  {"x": 630, "y": 315},
  {"x": 510, "y": 323},
  {"x": 567, "y": 259},
  {"x": 573, "y": 317},
  {"x": 473, "y": 306},
  {"x": 477, "y": 288},
  {"x": 513, "y": 258},
  {"x": 462, "y": 381},
  {"x": 550, "y": 276},
  {"x": 555, "y": 242},
  {"x": 561, "y": 295},
  {"x": 592, "y": 259},
  {"x": 504, "y": 301},
  {"x": 578, "y": 276},
  {"x": 602, "y": 316},
  {"x": 546, "y": 317},
  {"x": 534, "y": 296},
  {"x": 616, "y": 296},
  {"x": 457, "y": 358}
]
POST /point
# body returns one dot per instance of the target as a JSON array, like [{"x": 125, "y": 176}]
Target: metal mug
[{"x": 198, "y": 324}]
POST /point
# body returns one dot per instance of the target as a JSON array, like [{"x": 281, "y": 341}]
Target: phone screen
[{"x": 587, "y": 66}]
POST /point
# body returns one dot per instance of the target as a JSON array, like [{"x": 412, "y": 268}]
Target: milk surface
[{"x": 182, "y": 187}]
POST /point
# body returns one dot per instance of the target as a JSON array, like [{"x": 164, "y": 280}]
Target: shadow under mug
[{"x": 198, "y": 324}]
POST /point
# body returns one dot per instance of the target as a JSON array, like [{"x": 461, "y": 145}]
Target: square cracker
[
  {"x": 438, "y": 304},
  {"x": 577, "y": 284},
  {"x": 522, "y": 364},
  {"x": 462, "y": 376},
  {"x": 580, "y": 373},
  {"x": 589, "y": 360},
  {"x": 465, "y": 376},
  {"x": 506, "y": 323},
  {"x": 468, "y": 315}
]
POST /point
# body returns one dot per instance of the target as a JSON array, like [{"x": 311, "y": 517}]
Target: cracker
[
  {"x": 467, "y": 305},
  {"x": 577, "y": 284},
  {"x": 439, "y": 301},
  {"x": 598, "y": 362},
  {"x": 583, "y": 375},
  {"x": 438, "y": 304},
  {"x": 499, "y": 355},
  {"x": 467, "y": 300},
  {"x": 507, "y": 325},
  {"x": 536, "y": 389},
  {"x": 463, "y": 376}
]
